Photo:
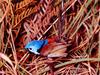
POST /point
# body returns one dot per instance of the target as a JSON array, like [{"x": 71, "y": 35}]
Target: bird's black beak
[{"x": 26, "y": 48}]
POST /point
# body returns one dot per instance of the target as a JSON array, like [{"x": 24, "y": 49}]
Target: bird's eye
[{"x": 30, "y": 48}]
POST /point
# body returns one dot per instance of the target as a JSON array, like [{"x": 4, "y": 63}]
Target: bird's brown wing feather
[{"x": 54, "y": 50}]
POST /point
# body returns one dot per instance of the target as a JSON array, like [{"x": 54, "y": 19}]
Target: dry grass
[{"x": 26, "y": 20}]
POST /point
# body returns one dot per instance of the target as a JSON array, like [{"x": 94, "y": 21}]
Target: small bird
[
  {"x": 35, "y": 45},
  {"x": 48, "y": 47}
]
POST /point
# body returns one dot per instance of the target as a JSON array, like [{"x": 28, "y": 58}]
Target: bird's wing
[{"x": 54, "y": 50}]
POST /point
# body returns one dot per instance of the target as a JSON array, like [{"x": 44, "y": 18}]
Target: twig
[{"x": 71, "y": 62}]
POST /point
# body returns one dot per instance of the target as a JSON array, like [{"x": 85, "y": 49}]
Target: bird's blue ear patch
[{"x": 46, "y": 42}]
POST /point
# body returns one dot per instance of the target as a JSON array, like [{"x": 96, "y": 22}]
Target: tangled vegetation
[{"x": 76, "y": 22}]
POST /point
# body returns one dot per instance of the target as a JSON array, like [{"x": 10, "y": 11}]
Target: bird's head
[
  {"x": 35, "y": 46},
  {"x": 32, "y": 47}
]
